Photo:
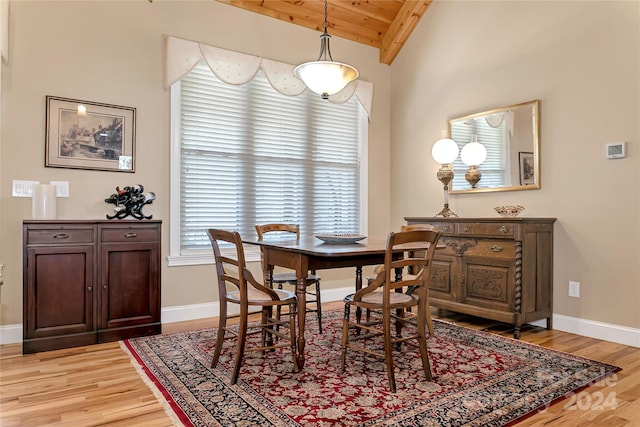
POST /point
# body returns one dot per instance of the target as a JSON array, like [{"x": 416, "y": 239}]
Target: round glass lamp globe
[
  {"x": 444, "y": 151},
  {"x": 473, "y": 154}
]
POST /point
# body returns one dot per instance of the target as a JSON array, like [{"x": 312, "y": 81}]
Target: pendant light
[{"x": 324, "y": 76}]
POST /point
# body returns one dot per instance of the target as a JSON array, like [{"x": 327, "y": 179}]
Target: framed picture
[
  {"x": 89, "y": 135},
  {"x": 526, "y": 168}
]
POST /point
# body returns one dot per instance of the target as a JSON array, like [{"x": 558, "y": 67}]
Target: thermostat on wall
[{"x": 616, "y": 150}]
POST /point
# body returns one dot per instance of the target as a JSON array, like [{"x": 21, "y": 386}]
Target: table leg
[
  {"x": 358, "y": 287},
  {"x": 301, "y": 292},
  {"x": 399, "y": 312},
  {"x": 268, "y": 282}
]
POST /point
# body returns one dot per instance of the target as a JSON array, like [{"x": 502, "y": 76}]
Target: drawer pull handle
[
  {"x": 90, "y": 288},
  {"x": 466, "y": 228},
  {"x": 130, "y": 235},
  {"x": 504, "y": 229},
  {"x": 61, "y": 236},
  {"x": 445, "y": 228},
  {"x": 496, "y": 248}
]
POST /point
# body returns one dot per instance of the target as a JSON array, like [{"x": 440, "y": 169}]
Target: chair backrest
[
  {"x": 263, "y": 229},
  {"x": 418, "y": 246},
  {"x": 378, "y": 268},
  {"x": 229, "y": 270},
  {"x": 278, "y": 230}
]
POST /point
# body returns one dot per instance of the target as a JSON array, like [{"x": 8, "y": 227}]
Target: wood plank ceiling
[{"x": 383, "y": 24}]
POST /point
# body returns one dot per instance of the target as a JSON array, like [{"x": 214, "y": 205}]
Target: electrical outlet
[{"x": 574, "y": 289}]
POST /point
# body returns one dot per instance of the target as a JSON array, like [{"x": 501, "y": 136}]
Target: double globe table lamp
[{"x": 445, "y": 152}]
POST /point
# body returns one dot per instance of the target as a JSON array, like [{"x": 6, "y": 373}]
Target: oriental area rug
[{"x": 480, "y": 379}]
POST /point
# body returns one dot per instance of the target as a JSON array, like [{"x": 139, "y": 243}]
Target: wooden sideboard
[
  {"x": 495, "y": 268},
  {"x": 86, "y": 282}
]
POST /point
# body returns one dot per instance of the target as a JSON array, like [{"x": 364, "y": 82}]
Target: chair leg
[
  {"x": 292, "y": 334},
  {"x": 428, "y": 312},
  {"x": 222, "y": 324},
  {"x": 319, "y": 306},
  {"x": 429, "y": 323},
  {"x": 388, "y": 350},
  {"x": 345, "y": 335},
  {"x": 278, "y": 310},
  {"x": 242, "y": 337},
  {"x": 422, "y": 341},
  {"x": 263, "y": 332}
]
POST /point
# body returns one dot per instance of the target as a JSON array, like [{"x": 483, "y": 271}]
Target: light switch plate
[
  {"x": 62, "y": 188},
  {"x": 22, "y": 188}
]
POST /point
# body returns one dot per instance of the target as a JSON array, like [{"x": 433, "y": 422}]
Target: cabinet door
[
  {"x": 443, "y": 278},
  {"x": 59, "y": 296},
  {"x": 488, "y": 283},
  {"x": 129, "y": 284}
]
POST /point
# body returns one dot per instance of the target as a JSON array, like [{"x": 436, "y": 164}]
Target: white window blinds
[
  {"x": 495, "y": 139},
  {"x": 250, "y": 155}
]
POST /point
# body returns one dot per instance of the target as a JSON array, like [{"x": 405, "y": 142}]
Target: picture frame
[
  {"x": 527, "y": 170},
  {"x": 89, "y": 135}
]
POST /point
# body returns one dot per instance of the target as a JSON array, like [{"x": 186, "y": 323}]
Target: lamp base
[{"x": 446, "y": 212}]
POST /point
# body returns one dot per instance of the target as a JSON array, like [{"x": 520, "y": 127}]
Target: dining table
[{"x": 310, "y": 253}]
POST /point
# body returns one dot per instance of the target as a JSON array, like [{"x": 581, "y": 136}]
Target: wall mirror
[{"x": 510, "y": 136}]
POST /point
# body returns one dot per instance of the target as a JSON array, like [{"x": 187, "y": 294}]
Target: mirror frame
[{"x": 535, "y": 104}]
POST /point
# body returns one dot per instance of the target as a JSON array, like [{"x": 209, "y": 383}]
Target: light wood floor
[{"x": 97, "y": 385}]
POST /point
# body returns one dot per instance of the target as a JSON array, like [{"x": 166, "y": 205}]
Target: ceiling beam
[
  {"x": 383, "y": 24},
  {"x": 401, "y": 28}
]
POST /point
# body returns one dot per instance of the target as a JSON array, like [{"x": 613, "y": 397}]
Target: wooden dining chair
[
  {"x": 314, "y": 304},
  {"x": 236, "y": 285},
  {"x": 408, "y": 273},
  {"x": 384, "y": 300}
]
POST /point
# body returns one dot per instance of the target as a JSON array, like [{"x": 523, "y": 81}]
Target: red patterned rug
[{"x": 481, "y": 379}]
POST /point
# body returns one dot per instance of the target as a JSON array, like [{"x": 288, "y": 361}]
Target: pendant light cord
[{"x": 325, "y": 50}]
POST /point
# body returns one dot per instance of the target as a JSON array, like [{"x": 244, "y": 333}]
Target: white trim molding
[
  {"x": 599, "y": 330},
  {"x": 11, "y": 334}
]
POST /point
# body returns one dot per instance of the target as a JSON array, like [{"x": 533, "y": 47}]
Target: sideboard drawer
[
  {"x": 486, "y": 229},
  {"x": 449, "y": 228},
  {"x": 493, "y": 248},
  {"x": 128, "y": 234},
  {"x": 59, "y": 236}
]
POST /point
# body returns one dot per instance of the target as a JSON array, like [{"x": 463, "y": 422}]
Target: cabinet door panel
[
  {"x": 488, "y": 284},
  {"x": 59, "y": 291},
  {"x": 129, "y": 285},
  {"x": 442, "y": 277}
]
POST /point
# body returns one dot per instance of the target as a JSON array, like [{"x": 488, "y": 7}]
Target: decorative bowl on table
[
  {"x": 340, "y": 238},
  {"x": 514, "y": 210}
]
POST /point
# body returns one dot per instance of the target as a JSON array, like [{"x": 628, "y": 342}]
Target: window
[
  {"x": 243, "y": 155},
  {"x": 495, "y": 139}
]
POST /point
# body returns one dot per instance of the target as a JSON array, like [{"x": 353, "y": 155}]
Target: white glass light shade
[
  {"x": 473, "y": 154},
  {"x": 326, "y": 77},
  {"x": 444, "y": 151}
]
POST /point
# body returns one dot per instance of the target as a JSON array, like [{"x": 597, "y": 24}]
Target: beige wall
[
  {"x": 581, "y": 59},
  {"x": 111, "y": 52}
]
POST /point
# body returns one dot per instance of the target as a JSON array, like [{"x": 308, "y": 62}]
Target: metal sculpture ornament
[{"x": 129, "y": 201}]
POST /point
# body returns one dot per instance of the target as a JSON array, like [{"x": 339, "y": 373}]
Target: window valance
[{"x": 238, "y": 68}]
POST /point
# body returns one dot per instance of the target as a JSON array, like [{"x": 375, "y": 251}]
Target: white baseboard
[
  {"x": 10, "y": 334},
  {"x": 202, "y": 311},
  {"x": 599, "y": 330}
]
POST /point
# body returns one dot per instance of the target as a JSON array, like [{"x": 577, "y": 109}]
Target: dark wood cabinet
[
  {"x": 87, "y": 282},
  {"x": 496, "y": 268}
]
